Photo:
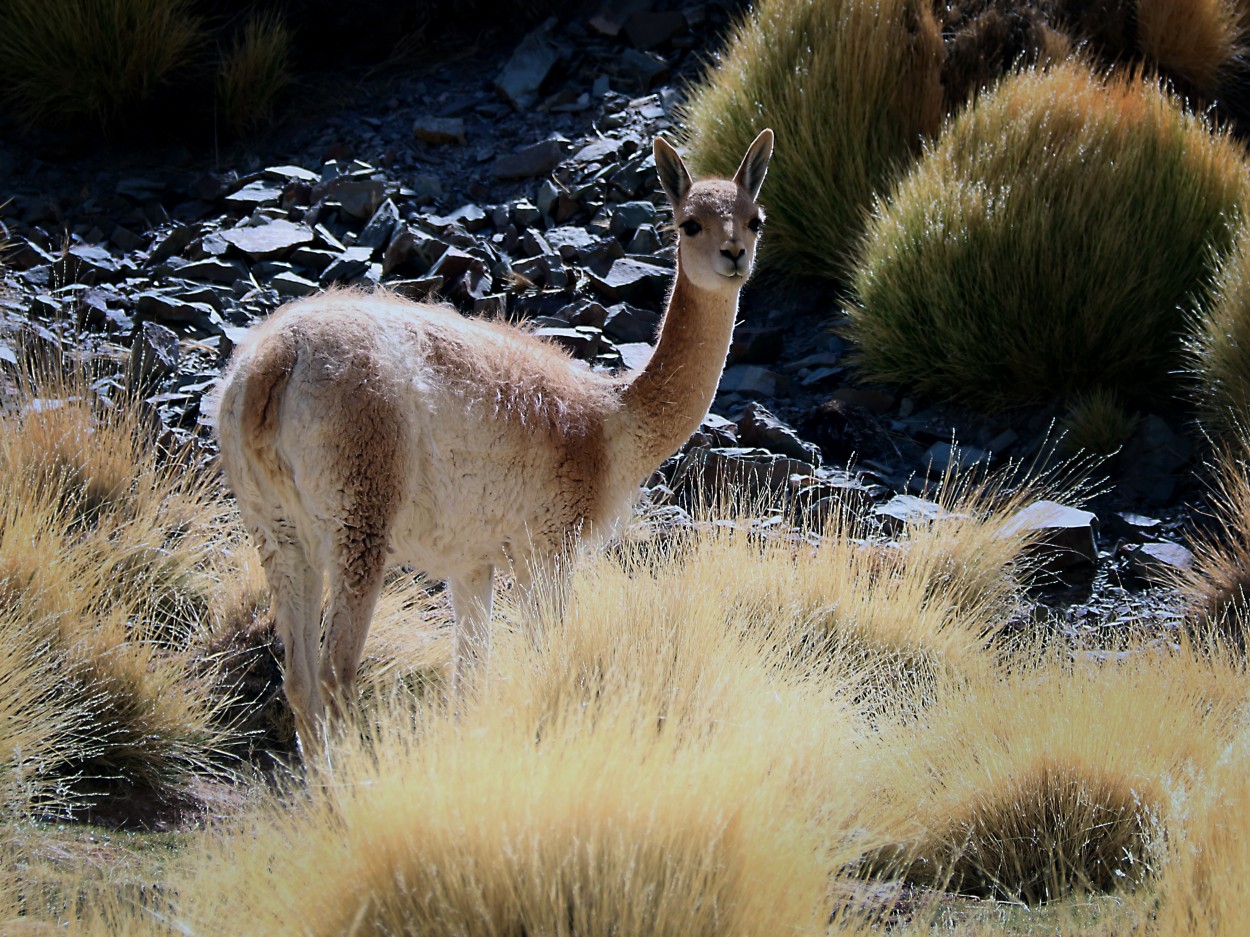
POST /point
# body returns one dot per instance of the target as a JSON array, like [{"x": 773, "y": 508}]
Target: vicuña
[{"x": 362, "y": 430}]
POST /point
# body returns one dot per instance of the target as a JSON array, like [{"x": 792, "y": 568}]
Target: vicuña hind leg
[
  {"x": 295, "y": 587},
  {"x": 355, "y": 582},
  {"x": 471, "y": 598}
]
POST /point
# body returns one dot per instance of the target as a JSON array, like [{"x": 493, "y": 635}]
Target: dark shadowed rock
[
  {"x": 632, "y": 280},
  {"x": 624, "y": 323},
  {"x": 758, "y": 427},
  {"x": 214, "y": 270},
  {"x": 537, "y": 159},
  {"x": 350, "y": 265},
  {"x": 439, "y": 130},
  {"x": 648, "y": 29},
  {"x": 154, "y": 354},
  {"x": 845, "y": 433},
  {"x": 1063, "y": 536},
  {"x": 377, "y": 232},
  {"x": 1159, "y": 562},
  {"x": 170, "y": 310},
  {"x": 755, "y": 344},
  {"x": 529, "y": 66}
]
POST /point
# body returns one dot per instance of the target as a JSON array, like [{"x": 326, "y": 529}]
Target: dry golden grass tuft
[
  {"x": 1216, "y": 588},
  {"x": 1204, "y": 890},
  {"x": 254, "y": 72},
  {"x": 849, "y": 86},
  {"x": 106, "y": 567},
  {"x": 1052, "y": 777}
]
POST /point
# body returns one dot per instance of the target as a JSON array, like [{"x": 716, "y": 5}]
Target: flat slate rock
[{"x": 266, "y": 241}]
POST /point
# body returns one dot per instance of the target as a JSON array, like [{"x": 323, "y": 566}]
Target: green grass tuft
[
  {"x": 1219, "y": 346},
  {"x": 1044, "y": 246},
  {"x": 93, "y": 59},
  {"x": 254, "y": 73},
  {"x": 849, "y": 86}
]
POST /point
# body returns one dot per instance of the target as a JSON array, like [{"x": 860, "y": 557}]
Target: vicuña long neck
[{"x": 668, "y": 399}]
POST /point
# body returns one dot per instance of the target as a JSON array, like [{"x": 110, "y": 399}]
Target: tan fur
[{"x": 359, "y": 430}]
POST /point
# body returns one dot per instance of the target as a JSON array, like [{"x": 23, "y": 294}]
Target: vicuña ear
[
  {"x": 673, "y": 174},
  {"x": 754, "y": 168}
]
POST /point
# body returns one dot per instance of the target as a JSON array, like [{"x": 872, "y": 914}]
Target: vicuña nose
[{"x": 733, "y": 255}]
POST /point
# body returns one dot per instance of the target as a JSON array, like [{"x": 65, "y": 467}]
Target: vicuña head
[{"x": 362, "y": 430}]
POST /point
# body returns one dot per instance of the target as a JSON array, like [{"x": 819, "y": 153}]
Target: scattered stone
[
  {"x": 357, "y": 197},
  {"x": 169, "y": 310},
  {"x": 254, "y": 194},
  {"x": 759, "y": 428},
  {"x": 1159, "y": 562},
  {"x": 648, "y": 30},
  {"x": 752, "y": 381},
  {"x": 942, "y": 457},
  {"x": 154, "y": 355},
  {"x": 599, "y": 151},
  {"x": 641, "y": 70},
  {"x": 754, "y": 471},
  {"x": 632, "y": 280},
  {"x": 529, "y": 66},
  {"x": 629, "y": 324},
  {"x": 85, "y": 263},
  {"x": 439, "y": 130},
  {"x": 273, "y": 239},
  {"x": 292, "y": 284},
  {"x": 377, "y": 232},
  {"x": 571, "y": 241},
  {"x": 213, "y": 270},
  {"x": 904, "y": 511},
  {"x": 350, "y": 265},
  {"x": 1127, "y": 525},
  {"x": 537, "y": 159},
  {"x": 1062, "y": 536}
]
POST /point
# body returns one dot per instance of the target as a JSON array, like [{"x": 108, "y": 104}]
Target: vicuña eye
[
  {"x": 755, "y": 224},
  {"x": 691, "y": 227}
]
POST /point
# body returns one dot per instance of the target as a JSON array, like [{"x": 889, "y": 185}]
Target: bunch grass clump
[
  {"x": 1216, "y": 587},
  {"x": 254, "y": 73},
  {"x": 1053, "y": 777},
  {"x": 106, "y": 575},
  {"x": 1201, "y": 42},
  {"x": 1097, "y": 423},
  {"x": 1218, "y": 343},
  {"x": 93, "y": 60},
  {"x": 850, "y": 87},
  {"x": 1046, "y": 244}
]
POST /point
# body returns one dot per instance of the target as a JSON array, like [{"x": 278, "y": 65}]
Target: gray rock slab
[
  {"x": 439, "y": 131},
  {"x": 529, "y": 66},
  {"x": 758, "y": 427},
  {"x": 292, "y": 284},
  {"x": 537, "y": 159},
  {"x": 750, "y": 380},
  {"x": 266, "y": 241},
  {"x": 255, "y": 194},
  {"x": 154, "y": 354},
  {"x": 632, "y": 280},
  {"x": 1063, "y": 536},
  {"x": 1161, "y": 561}
]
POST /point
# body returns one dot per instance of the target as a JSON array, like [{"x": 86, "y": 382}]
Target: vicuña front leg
[{"x": 471, "y": 598}]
